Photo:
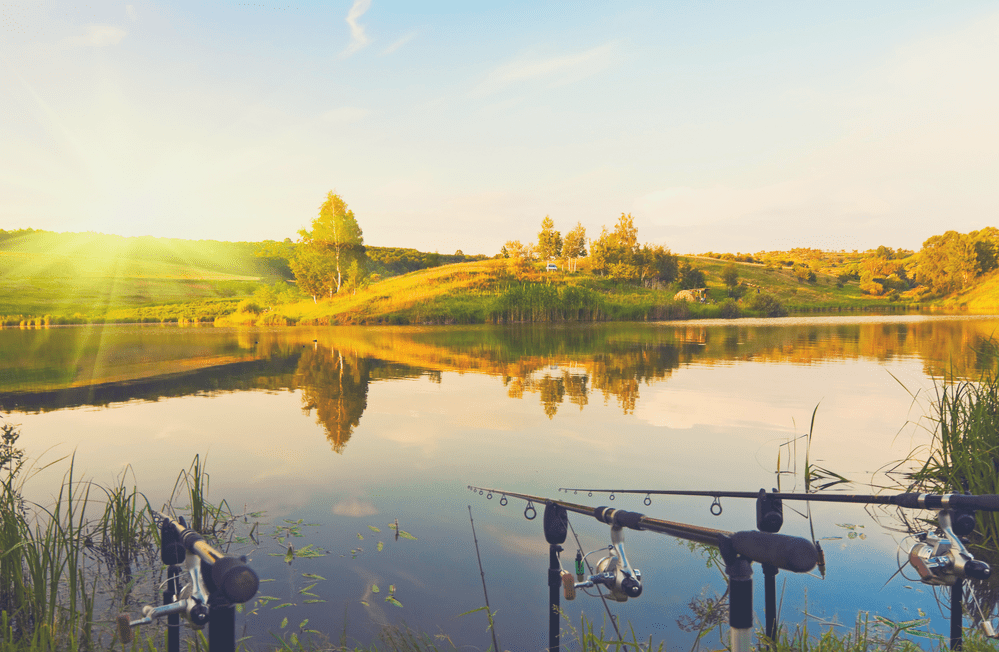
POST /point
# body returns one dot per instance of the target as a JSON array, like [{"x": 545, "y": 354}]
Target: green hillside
[{"x": 90, "y": 273}]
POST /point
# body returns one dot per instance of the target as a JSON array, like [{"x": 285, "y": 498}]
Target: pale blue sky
[{"x": 459, "y": 125}]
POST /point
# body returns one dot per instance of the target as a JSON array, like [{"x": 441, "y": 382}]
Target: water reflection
[{"x": 53, "y": 369}]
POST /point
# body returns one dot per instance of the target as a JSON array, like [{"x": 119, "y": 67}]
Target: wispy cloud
[
  {"x": 98, "y": 36},
  {"x": 398, "y": 44},
  {"x": 562, "y": 69},
  {"x": 359, "y": 38}
]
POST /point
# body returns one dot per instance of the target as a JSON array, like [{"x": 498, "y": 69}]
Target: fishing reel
[
  {"x": 940, "y": 557},
  {"x": 214, "y": 581},
  {"x": 612, "y": 571},
  {"x": 191, "y": 604}
]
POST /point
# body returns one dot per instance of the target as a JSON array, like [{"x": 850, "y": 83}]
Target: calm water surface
[{"x": 354, "y": 428}]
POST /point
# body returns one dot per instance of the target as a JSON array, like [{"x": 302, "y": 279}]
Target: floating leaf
[
  {"x": 406, "y": 535},
  {"x": 375, "y": 589},
  {"x": 284, "y": 622},
  {"x": 302, "y": 624},
  {"x": 391, "y": 588},
  {"x": 285, "y": 604},
  {"x": 308, "y": 588},
  {"x": 391, "y": 600},
  {"x": 373, "y": 528},
  {"x": 365, "y": 603},
  {"x": 269, "y": 579},
  {"x": 380, "y": 546},
  {"x": 264, "y": 599},
  {"x": 313, "y": 601},
  {"x": 313, "y": 576},
  {"x": 360, "y": 536},
  {"x": 290, "y": 555},
  {"x": 310, "y": 551}
]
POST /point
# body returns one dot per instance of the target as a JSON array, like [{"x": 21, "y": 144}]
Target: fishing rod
[
  {"x": 216, "y": 583},
  {"x": 939, "y": 555},
  {"x": 985, "y": 502},
  {"x": 738, "y": 550}
]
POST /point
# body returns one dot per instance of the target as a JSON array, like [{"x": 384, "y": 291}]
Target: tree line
[{"x": 615, "y": 253}]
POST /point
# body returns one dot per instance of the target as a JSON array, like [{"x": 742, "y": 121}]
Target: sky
[{"x": 719, "y": 126}]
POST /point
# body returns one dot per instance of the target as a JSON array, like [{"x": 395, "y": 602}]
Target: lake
[{"x": 351, "y": 429}]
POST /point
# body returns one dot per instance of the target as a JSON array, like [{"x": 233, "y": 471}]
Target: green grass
[{"x": 93, "y": 277}]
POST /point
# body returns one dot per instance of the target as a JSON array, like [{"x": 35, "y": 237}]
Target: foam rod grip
[
  {"x": 568, "y": 585},
  {"x": 124, "y": 628},
  {"x": 787, "y": 553}
]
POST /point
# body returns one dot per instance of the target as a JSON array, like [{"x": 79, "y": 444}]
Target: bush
[
  {"x": 730, "y": 309},
  {"x": 249, "y": 305},
  {"x": 768, "y": 305}
]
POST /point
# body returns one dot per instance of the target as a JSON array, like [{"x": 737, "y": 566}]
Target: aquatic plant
[{"x": 964, "y": 451}]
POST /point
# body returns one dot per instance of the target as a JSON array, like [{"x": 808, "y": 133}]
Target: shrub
[
  {"x": 768, "y": 305},
  {"x": 249, "y": 305},
  {"x": 730, "y": 309}
]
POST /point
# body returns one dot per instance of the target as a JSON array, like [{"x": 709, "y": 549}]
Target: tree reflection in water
[{"x": 335, "y": 385}]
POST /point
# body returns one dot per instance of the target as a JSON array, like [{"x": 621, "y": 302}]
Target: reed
[
  {"x": 964, "y": 452},
  {"x": 43, "y": 588},
  {"x": 126, "y": 528},
  {"x": 206, "y": 518}
]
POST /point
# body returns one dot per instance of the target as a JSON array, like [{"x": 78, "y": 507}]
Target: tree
[
  {"x": 617, "y": 253},
  {"x": 333, "y": 243},
  {"x": 947, "y": 262},
  {"x": 525, "y": 252},
  {"x": 730, "y": 275},
  {"x": 549, "y": 240},
  {"x": 313, "y": 271},
  {"x": 574, "y": 246},
  {"x": 689, "y": 276},
  {"x": 658, "y": 265}
]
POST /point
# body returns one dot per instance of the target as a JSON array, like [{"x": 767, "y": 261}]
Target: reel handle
[{"x": 568, "y": 585}]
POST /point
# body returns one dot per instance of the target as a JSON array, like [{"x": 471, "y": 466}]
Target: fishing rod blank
[
  {"x": 785, "y": 552},
  {"x": 985, "y": 502}
]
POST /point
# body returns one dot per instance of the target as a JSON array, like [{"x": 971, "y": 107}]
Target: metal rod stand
[
  {"x": 956, "y": 614},
  {"x": 554, "y": 589},
  {"x": 169, "y": 596},
  {"x": 221, "y": 627},
  {"x": 770, "y": 599}
]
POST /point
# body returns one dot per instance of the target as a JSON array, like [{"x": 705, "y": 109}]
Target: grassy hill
[
  {"x": 74, "y": 278},
  {"x": 497, "y": 291},
  {"x": 89, "y": 274}
]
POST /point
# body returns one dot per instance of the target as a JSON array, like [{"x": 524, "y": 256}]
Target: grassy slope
[
  {"x": 92, "y": 274},
  {"x": 781, "y": 283},
  {"x": 466, "y": 292}
]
